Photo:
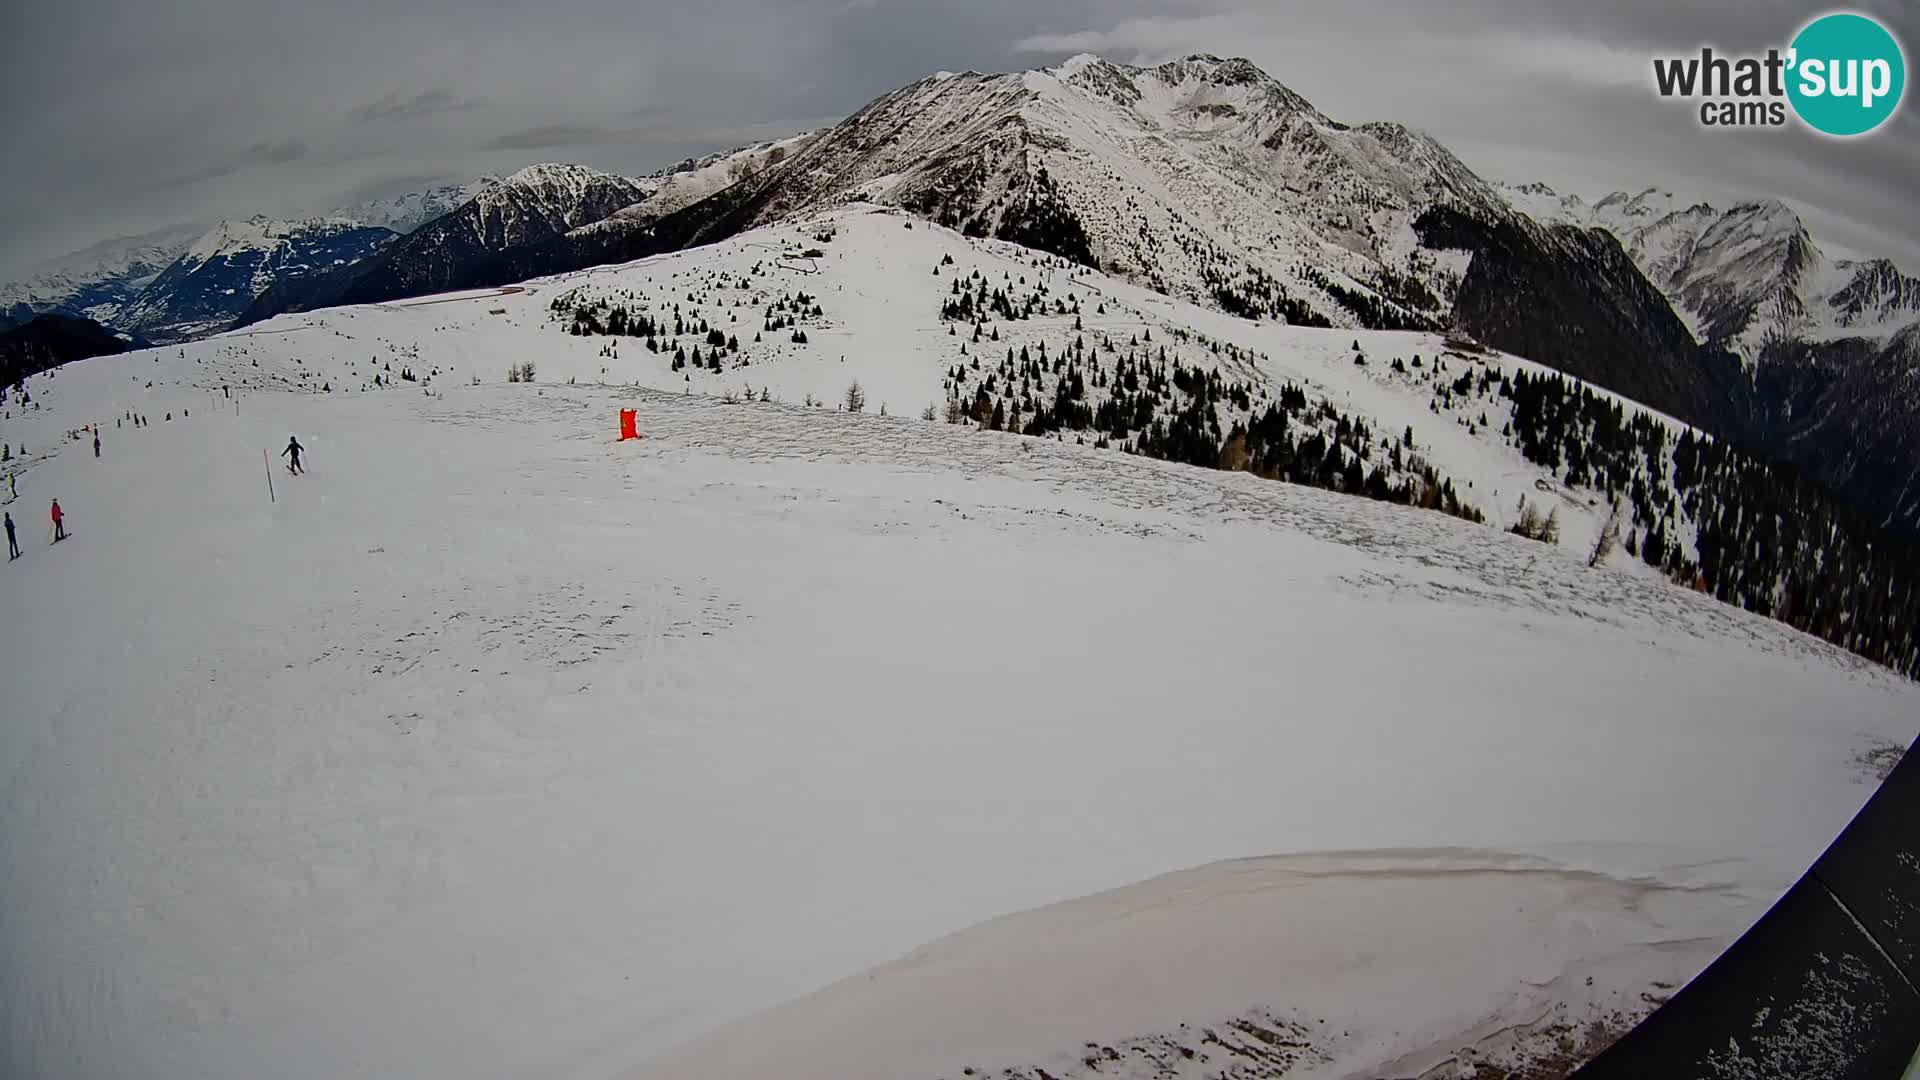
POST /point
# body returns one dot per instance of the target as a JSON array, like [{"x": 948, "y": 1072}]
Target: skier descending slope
[
  {"x": 13, "y": 542},
  {"x": 292, "y": 452},
  {"x": 59, "y": 522}
]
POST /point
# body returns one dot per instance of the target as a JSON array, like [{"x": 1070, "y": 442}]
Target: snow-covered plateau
[{"x": 790, "y": 742}]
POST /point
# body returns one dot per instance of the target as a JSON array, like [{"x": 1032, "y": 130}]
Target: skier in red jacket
[{"x": 59, "y": 522}]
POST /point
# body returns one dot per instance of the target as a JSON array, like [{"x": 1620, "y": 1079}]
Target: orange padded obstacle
[{"x": 629, "y": 424}]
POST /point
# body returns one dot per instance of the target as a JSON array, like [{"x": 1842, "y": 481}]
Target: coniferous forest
[
  {"x": 1751, "y": 532},
  {"x": 1138, "y": 397}
]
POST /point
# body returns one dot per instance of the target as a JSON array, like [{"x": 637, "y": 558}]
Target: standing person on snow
[
  {"x": 13, "y": 543},
  {"x": 59, "y": 522},
  {"x": 96, "y": 444},
  {"x": 293, "y": 452}
]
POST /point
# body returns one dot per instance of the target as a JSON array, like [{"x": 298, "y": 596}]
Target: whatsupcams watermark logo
[{"x": 1843, "y": 74}]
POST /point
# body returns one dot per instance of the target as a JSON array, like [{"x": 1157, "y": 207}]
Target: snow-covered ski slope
[{"x": 496, "y": 748}]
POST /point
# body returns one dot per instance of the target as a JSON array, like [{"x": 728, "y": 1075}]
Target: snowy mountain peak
[
  {"x": 1744, "y": 276},
  {"x": 561, "y": 196},
  {"x": 539, "y": 203},
  {"x": 1650, "y": 202},
  {"x": 259, "y": 233},
  {"x": 680, "y": 186},
  {"x": 554, "y": 172},
  {"x": 1077, "y": 63},
  {"x": 220, "y": 274},
  {"x": 1202, "y": 175},
  {"x": 1198, "y": 87},
  {"x": 1767, "y": 213},
  {"x": 406, "y": 212},
  {"x": 1236, "y": 70},
  {"x": 1544, "y": 204},
  {"x": 1877, "y": 292}
]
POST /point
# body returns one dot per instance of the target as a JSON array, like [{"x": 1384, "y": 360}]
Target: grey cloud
[
  {"x": 1522, "y": 89},
  {"x": 549, "y": 136},
  {"x": 198, "y": 176},
  {"x": 392, "y": 106},
  {"x": 262, "y": 153},
  {"x": 275, "y": 153},
  {"x": 388, "y": 187}
]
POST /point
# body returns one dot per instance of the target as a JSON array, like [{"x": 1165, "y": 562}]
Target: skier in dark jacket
[
  {"x": 13, "y": 543},
  {"x": 292, "y": 452},
  {"x": 96, "y": 444}
]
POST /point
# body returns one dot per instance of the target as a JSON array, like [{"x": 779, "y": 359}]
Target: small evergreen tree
[
  {"x": 1608, "y": 539},
  {"x": 1529, "y": 524}
]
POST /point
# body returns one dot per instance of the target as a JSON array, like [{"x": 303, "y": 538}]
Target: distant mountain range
[
  {"x": 1746, "y": 277},
  {"x": 535, "y": 205},
  {"x": 407, "y": 212},
  {"x": 1203, "y": 178},
  {"x": 97, "y": 281},
  {"x": 219, "y": 276}
]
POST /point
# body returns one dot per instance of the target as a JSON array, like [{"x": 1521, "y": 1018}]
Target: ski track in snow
[{"x": 497, "y": 748}]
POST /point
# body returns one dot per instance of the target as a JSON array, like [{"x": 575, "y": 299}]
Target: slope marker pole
[{"x": 264, "y": 460}]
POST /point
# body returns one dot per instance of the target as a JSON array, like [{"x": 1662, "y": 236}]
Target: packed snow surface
[
  {"x": 493, "y": 747},
  {"x": 1409, "y": 962}
]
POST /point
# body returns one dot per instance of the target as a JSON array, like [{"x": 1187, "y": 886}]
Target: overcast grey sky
[{"x": 127, "y": 115}]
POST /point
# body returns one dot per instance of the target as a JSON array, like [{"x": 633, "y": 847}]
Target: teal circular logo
[{"x": 1847, "y": 74}]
